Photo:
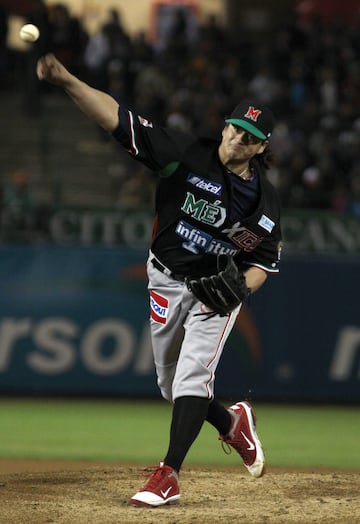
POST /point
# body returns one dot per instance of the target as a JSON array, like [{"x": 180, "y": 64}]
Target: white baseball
[{"x": 29, "y": 33}]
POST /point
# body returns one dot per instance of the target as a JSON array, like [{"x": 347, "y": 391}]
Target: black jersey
[{"x": 194, "y": 207}]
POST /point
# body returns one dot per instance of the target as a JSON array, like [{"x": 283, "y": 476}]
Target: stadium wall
[{"x": 74, "y": 321}]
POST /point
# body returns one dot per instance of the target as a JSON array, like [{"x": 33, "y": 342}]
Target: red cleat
[
  {"x": 243, "y": 438},
  {"x": 161, "y": 488}
]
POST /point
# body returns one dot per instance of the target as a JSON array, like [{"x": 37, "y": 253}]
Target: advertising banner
[
  {"x": 301, "y": 334},
  {"x": 304, "y": 231},
  {"x": 75, "y": 321}
]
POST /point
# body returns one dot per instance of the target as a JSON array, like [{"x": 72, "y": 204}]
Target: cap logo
[{"x": 253, "y": 113}]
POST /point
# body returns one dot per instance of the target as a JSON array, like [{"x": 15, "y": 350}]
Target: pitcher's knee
[
  {"x": 192, "y": 388},
  {"x": 166, "y": 390}
]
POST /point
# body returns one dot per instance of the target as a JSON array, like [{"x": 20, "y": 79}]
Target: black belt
[{"x": 158, "y": 265}]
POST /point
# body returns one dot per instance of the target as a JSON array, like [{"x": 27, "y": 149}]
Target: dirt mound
[{"x": 39, "y": 492}]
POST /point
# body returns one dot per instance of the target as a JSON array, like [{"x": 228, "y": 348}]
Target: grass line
[{"x": 136, "y": 431}]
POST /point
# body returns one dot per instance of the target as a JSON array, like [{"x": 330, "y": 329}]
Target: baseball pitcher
[{"x": 216, "y": 238}]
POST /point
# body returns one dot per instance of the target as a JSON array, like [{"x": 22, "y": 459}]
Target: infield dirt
[{"x": 39, "y": 492}]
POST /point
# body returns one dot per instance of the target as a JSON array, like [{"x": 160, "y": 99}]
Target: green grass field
[{"x": 136, "y": 431}]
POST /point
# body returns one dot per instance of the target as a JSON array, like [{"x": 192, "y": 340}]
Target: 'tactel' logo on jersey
[{"x": 205, "y": 184}]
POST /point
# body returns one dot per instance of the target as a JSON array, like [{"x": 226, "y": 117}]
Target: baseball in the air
[{"x": 29, "y": 33}]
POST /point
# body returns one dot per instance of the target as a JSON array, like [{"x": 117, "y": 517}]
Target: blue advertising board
[
  {"x": 74, "y": 321},
  {"x": 307, "y": 342}
]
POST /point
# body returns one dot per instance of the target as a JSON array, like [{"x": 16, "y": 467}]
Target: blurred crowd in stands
[{"x": 307, "y": 72}]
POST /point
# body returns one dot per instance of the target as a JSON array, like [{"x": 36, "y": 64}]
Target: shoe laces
[
  {"x": 225, "y": 446},
  {"x": 154, "y": 474},
  {"x": 240, "y": 447},
  {"x": 227, "y": 443}
]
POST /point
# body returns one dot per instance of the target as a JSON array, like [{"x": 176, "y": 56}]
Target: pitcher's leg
[
  {"x": 189, "y": 414},
  {"x": 219, "y": 417},
  {"x": 169, "y": 302},
  {"x": 194, "y": 376},
  {"x": 201, "y": 351}
]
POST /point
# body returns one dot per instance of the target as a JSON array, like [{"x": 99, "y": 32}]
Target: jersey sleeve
[
  {"x": 155, "y": 146},
  {"x": 268, "y": 258},
  {"x": 267, "y": 254}
]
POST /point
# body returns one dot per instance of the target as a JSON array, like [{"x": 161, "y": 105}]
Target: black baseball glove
[{"x": 222, "y": 292}]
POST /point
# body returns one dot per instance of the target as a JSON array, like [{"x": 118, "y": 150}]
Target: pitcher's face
[{"x": 239, "y": 145}]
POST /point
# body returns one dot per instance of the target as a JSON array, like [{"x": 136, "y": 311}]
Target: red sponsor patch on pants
[{"x": 159, "y": 307}]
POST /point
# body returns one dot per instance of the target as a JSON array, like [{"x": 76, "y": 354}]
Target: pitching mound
[{"x": 38, "y": 492}]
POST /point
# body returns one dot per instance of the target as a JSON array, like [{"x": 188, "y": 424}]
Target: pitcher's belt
[{"x": 158, "y": 265}]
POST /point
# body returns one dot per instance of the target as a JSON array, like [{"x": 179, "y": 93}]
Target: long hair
[{"x": 267, "y": 158}]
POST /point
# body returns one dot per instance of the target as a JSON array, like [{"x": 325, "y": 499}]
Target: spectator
[
  {"x": 141, "y": 57},
  {"x": 184, "y": 77},
  {"x": 107, "y": 54},
  {"x": 96, "y": 56},
  {"x": 38, "y": 16},
  {"x": 3, "y": 44},
  {"x": 354, "y": 199},
  {"x": 211, "y": 36},
  {"x": 137, "y": 190},
  {"x": 68, "y": 37},
  {"x": 18, "y": 210}
]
